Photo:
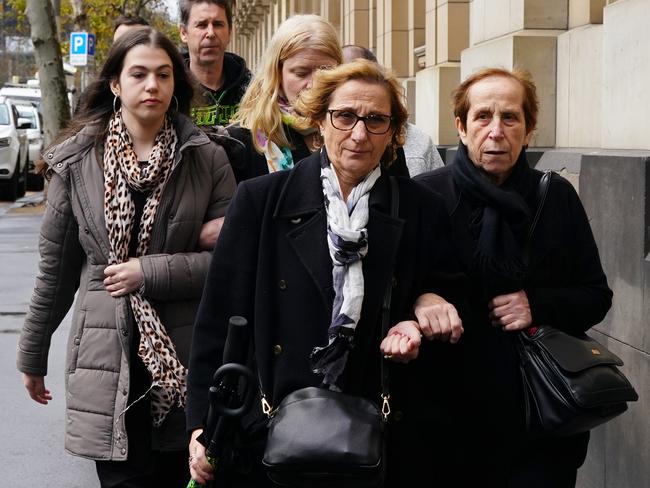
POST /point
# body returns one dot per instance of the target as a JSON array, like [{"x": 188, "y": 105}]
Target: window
[
  {"x": 4, "y": 115},
  {"x": 29, "y": 114}
]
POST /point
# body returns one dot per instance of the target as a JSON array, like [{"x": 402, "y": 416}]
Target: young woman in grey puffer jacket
[{"x": 131, "y": 186}]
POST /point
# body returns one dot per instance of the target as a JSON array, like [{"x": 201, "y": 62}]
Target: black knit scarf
[{"x": 498, "y": 223}]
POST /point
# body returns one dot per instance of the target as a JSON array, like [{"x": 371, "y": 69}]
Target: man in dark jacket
[{"x": 206, "y": 26}]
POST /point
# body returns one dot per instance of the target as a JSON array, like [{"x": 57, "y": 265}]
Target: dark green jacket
[{"x": 218, "y": 107}]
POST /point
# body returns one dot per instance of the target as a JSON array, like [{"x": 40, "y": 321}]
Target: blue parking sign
[
  {"x": 91, "y": 45},
  {"x": 78, "y": 41},
  {"x": 82, "y": 48}
]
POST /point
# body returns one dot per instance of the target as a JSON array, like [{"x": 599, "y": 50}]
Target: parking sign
[{"x": 82, "y": 48}]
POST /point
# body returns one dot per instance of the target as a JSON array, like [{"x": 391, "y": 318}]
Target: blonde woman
[{"x": 274, "y": 138}]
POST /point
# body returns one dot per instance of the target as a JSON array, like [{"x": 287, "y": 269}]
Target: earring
[{"x": 115, "y": 99}]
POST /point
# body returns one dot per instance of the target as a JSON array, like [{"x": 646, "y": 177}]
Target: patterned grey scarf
[
  {"x": 121, "y": 172},
  {"x": 347, "y": 239}
]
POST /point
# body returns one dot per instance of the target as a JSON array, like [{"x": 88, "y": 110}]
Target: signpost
[
  {"x": 82, "y": 52},
  {"x": 82, "y": 48}
]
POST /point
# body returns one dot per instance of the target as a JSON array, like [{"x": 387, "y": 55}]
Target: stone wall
[{"x": 614, "y": 188}]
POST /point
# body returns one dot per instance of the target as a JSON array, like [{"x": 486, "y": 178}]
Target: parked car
[
  {"x": 31, "y": 93},
  {"x": 13, "y": 151},
  {"x": 35, "y": 141},
  {"x": 22, "y": 93}
]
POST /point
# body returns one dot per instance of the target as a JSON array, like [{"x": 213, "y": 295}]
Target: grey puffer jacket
[{"x": 74, "y": 251}]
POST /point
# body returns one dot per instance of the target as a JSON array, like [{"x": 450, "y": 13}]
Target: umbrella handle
[
  {"x": 230, "y": 373},
  {"x": 196, "y": 484}
]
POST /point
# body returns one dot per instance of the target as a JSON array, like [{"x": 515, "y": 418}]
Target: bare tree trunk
[
  {"x": 134, "y": 8},
  {"x": 54, "y": 101},
  {"x": 80, "y": 18},
  {"x": 56, "y": 6}
]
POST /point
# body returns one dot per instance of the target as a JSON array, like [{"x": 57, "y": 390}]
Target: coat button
[
  {"x": 125, "y": 332},
  {"x": 77, "y": 341},
  {"x": 50, "y": 156},
  {"x": 123, "y": 451},
  {"x": 125, "y": 391},
  {"x": 282, "y": 285},
  {"x": 296, "y": 221},
  {"x": 277, "y": 349},
  {"x": 59, "y": 165},
  {"x": 86, "y": 230},
  {"x": 171, "y": 216}
]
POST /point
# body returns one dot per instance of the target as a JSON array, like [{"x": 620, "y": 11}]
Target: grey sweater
[{"x": 421, "y": 154}]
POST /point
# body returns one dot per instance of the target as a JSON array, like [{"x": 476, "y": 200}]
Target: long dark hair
[{"x": 97, "y": 104}]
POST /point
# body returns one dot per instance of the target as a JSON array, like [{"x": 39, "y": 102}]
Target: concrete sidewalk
[
  {"x": 32, "y": 435},
  {"x": 31, "y": 204}
]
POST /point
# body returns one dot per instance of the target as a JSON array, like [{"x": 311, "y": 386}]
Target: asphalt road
[{"x": 31, "y": 435}]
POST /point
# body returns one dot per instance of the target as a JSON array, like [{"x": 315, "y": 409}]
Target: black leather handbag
[
  {"x": 323, "y": 438},
  {"x": 571, "y": 383}
]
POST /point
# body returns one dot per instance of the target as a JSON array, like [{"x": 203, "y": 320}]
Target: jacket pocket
[{"x": 75, "y": 341}]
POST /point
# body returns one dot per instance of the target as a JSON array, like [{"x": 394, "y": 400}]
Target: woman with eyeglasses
[
  {"x": 306, "y": 254},
  {"x": 272, "y": 137}
]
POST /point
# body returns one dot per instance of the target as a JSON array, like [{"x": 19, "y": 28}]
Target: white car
[
  {"x": 20, "y": 93},
  {"x": 13, "y": 152},
  {"x": 35, "y": 139},
  {"x": 30, "y": 93}
]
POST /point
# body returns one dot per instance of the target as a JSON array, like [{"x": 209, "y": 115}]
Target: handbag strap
[
  {"x": 385, "y": 309},
  {"x": 542, "y": 192},
  {"x": 385, "y": 324}
]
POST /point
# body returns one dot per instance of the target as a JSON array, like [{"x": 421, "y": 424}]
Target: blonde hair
[
  {"x": 313, "y": 104},
  {"x": 259, "y": 108}
]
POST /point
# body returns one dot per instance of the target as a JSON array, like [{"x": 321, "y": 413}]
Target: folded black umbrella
[{"x": 230, "y": 396}]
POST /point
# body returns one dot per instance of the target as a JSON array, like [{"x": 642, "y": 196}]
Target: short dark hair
[
  {"x": 129, "y": 20},
  {"x": 530, "y": 105},
  {"x": 186, "y": 8},
  {"x": 358, "y": 52}
]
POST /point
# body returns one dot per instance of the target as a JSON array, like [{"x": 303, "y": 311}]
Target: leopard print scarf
[{"x": 121, "y": 172}]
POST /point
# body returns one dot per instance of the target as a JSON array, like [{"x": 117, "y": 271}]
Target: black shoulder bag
[
  {"x": 323, "y": 438},
  {"x": 571, "y": 383}
]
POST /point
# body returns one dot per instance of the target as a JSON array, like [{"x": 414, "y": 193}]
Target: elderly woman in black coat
[
  {"x": 491, "y": 195},
  {"x": 278, "y": 265}
]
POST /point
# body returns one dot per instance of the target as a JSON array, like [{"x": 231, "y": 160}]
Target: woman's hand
[
  {"x": 200, "y": 468},
  {"x": 36, "y": 388},
  {"x": 210, "y": 233},
  {"x": 511, "y": 312},
  {"x": 438, "y": 319},
  {"x": 124, "y": 278},
  {"x": 402, "y": 343}
]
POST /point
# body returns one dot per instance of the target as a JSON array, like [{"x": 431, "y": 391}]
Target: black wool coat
[
  {"x": 272, "y": 266},
  {"x": 566, "y": 289}
]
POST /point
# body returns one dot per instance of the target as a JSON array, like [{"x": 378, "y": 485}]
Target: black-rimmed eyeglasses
[{"x": 347, "y": 120}]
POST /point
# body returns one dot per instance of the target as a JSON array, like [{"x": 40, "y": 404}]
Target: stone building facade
[{"x": 591, "y": 62}]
